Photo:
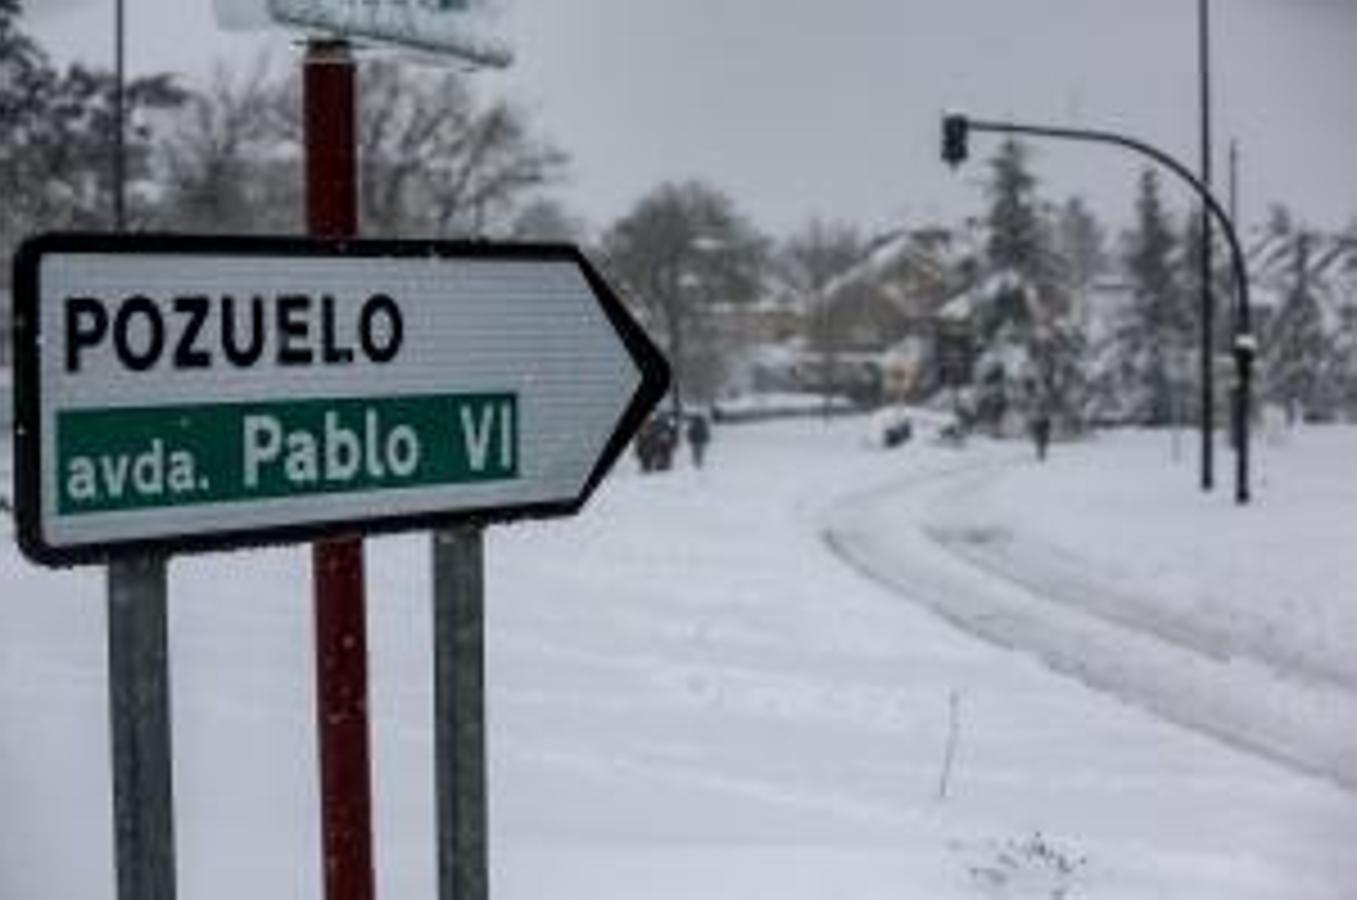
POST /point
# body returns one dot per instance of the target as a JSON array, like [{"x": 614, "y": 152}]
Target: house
[{"x": 882, "y": 314}]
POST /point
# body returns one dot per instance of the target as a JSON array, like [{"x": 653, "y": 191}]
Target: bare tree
[
  {"x": 682, "y": 249},
  {"x": 544, "y": 219},
  {"x": 433, "y": 159},
  {"x": 810, "y": 262},
  {"x": 232, "y": 163}
]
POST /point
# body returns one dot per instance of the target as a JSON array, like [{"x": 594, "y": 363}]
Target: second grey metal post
[
  {"x": 459, "y": 713},
  {"x": 139, "y": 691}
]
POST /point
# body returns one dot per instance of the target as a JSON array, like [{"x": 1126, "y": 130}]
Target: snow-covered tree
[
  {"x": 810, "y": 262},
  {"x": 1018, "y": 239},
  {"x": 546, "y": 219},
  {"x": 26, "y": 83},
  {"x": 1081, "y": 248},
  {"x": 816, "y": 254},
  {"x": 435, "y": 158},
  {"x": 1338, "y": 382},
  {"x": 1295, "y": 348},
  {"x": 229, "y": 163},
  {"x": 1340, "y": 370},
  {"x": 1152, "y": 341},
  {"x": 1031, "y": 353},
  {"x": 1062, "y": 388},
  {"x": 682, "y": 248},
  {"x": 55, "y": 158}
]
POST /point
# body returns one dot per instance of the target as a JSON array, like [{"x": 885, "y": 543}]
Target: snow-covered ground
[
  {"x": 735, "y": 683},
  {"x": 1242, "y": 617}
]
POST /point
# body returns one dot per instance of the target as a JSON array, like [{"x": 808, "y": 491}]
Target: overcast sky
[{"x": 831, "y": 107}]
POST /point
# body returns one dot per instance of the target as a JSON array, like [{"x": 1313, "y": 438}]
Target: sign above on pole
[
  {"x": 460, "y": 28},
  {"x": 182, "y": 393}
]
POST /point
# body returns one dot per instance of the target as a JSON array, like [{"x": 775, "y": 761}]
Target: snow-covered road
[
  {"x": 1003, "y": 582},
  {"x": 691, "y": 696}
]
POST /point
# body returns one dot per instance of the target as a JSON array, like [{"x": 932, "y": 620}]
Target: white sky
[{"x": 815, "y": 107}]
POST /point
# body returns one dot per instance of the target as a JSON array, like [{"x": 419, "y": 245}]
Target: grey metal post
[
  {"x": 139, "y": 691},
  {"x": 459, "y": 713}
]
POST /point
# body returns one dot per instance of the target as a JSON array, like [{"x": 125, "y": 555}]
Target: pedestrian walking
[
  {"x": 699, "y": 435},
  {"x": 655, "y": 443},
  {"x": 1041, "y": 434}
]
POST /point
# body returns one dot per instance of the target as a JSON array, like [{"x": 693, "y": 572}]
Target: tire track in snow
[{"x": 891, "y": 535}]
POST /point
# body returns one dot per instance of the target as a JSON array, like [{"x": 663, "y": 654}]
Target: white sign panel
[
  {"x": 462, "y": 28},
  {"x": 208, "y": 392}
]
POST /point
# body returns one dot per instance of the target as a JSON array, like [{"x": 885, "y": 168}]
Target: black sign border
[{"x": 653, "y": 367}]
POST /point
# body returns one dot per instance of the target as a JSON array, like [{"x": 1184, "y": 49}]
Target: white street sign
[
  {"x": 198, "y": 393},
  {"x": 462, "y": 28}
]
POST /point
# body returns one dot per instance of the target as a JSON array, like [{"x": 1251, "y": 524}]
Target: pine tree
[
  {"x": 1294, "y": 345},
  {"x": 1081, "y": 248},
  {"x": 1017, "y": 239},
  {"x": 1153, "y": 339},
  {"x": 1032, "y": 353},
  {"x": 1062, "y": 388},
  {"x": 1338, "y": 381}
]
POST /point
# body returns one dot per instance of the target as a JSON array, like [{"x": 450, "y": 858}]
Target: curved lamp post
[{"x": 955, "y": 130}]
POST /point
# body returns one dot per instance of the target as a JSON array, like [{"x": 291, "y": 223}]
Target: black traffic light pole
[
  {"x": 1208, "y": 296},
  {"x": 955, "y": 129}
]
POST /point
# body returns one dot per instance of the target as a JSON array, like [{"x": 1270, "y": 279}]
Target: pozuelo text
[{"x": 198, "y": 331}]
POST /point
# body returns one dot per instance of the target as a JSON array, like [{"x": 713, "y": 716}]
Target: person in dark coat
[
  {"x": 699, "y": 435},
  {"x": 1041, "y": 434},
  {"x": 655, "y": 443}
]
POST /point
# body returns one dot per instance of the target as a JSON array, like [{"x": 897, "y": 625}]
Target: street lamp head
[{"x": 955, "y": 129}]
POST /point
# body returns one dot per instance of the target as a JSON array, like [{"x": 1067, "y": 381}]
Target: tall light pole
[{"x": 1208, "y": 304}]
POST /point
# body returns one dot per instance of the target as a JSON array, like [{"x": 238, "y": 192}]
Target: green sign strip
[{"x": 163, "y": 456}]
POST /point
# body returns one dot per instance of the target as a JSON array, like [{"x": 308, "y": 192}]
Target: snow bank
[
  {"x": 1107, "y": 564},
  {"x": 1275, "y": 581},
  {"x": 760, "y": 407}
]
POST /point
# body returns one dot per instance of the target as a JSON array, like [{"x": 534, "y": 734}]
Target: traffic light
[{"x": 954, "y": 130}]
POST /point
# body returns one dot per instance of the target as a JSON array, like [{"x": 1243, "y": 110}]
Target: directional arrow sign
[{"x": 181, "y": 393}]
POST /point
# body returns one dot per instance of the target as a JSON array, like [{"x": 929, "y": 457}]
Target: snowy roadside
[
  {"x": 1107, "y": 565},
  {"x": 690, "y": 697},
  {"x": 1273, "y": 580}
]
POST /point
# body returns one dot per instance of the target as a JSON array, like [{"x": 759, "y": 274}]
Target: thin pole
[
  {"x": 139, "y": 705},
  {"x": 1234, "y": 181},
  {"x": 138, "y": 646},
  {"x": 459, "y": 713},
  {"x": 119, "y": 118},
  {"x": 674, "y": 319},
  {"x": 329, "y": 100},
  {"x": 1208, "y": 303}
]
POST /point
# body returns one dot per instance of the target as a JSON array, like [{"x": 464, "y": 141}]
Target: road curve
[{"x": 918, "y": 539}]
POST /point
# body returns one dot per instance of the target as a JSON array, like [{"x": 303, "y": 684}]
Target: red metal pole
[{"x": 341, "y": 630}]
